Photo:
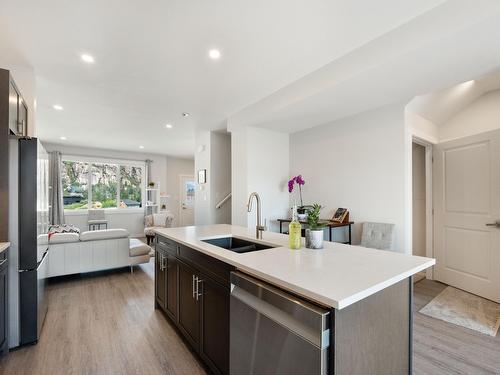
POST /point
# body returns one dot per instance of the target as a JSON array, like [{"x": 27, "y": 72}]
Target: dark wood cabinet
[
  {"x": 13, "y": 121},
  {"x": 189, "y": 307},
  {"x": 214, "y": 341},
  {"x": 194, "y": 294},
  {"x": 160, "y": 278},
  {"x": 22, "y": 119},
  {"x": 18, "y": 111},
  {"x": 13, "y": 108},
  {"x": 4, "y": 331},
  {"x": 171, "y": 287}
]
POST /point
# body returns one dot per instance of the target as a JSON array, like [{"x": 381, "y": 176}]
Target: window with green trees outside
[{"x": 104, "y": 185}]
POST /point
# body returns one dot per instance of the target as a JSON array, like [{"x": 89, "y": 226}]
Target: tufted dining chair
[{"x": 378, "y": 235}]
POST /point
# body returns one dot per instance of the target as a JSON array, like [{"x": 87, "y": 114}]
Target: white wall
[
  {"x": 419, "y": 200},
  {"x": 220, "y": 151},
  {"x": 164, "y": 170},
  {"x": 360, "y": 163},
  {"x": 260, "y": 160},
  {"x": 480, "y": 116},
  {"x": 239, "y": 177},
  {"x": 213, "y": 153},
  {"x": 422, "y": 128},
  {"x": 202, "y": 211}
]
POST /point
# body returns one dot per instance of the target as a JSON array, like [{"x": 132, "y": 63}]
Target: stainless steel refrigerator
[{"x": 28, "y": 228}]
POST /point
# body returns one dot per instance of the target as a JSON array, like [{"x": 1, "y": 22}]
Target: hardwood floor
[
  {"x": 105, "y": 323},
  {"x": 444, "y": 348}
]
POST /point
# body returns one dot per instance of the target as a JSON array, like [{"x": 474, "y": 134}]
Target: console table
[{"x": 330, "y": 224}]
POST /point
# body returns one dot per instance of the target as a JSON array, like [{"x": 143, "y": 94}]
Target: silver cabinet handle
[
  {"x": 495, "y": 224},
  {"x": 162, "y": 262},
  {"x": 194, "y": 286},
  {"x": 2, "y": 262},
  {"x": 198, "y": 294}
]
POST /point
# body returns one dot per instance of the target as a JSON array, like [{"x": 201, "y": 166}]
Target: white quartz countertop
[
  {"x": 4, "y": 246},
  {"x": 336, "y": 276}
]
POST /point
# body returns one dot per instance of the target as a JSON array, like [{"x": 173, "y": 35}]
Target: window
[
  {"x": 74, "y": 183},
  {"x": 130, "y": 186},
  {"x": 104, "y": 184}
]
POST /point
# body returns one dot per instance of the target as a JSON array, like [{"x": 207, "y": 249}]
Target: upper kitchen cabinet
[
  {"x": 13, "y": 121},
  {"x": 13, "y": 108}
]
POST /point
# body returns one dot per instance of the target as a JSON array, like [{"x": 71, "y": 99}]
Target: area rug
[{"x": 464, "y": 309}]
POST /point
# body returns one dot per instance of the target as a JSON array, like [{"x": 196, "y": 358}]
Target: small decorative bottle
[{"x": 295, "y": 230}]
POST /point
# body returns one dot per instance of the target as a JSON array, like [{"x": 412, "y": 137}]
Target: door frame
[
  {"x": 429, "y": 202},
  {"x": 181, "y": 188}
]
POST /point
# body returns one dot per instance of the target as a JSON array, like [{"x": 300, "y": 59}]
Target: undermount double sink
[{"x": 237, "y": 245}]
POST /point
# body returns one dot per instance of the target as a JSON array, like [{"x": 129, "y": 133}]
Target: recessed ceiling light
[
  {"x": 62, "y": 138},
  {"x": 57, "y": 107},
  {"x": 185, "y": 114},
  {"x": 214, "y": 54},
  {"x": 169, "y": 126},
  {"x": 141, "y": 147},
  {"x": 88, "y": 58}
]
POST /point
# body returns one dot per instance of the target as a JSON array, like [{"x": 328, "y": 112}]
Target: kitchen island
[{"x": 368, "y": 293}]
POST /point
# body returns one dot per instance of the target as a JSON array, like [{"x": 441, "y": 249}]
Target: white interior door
[
  {"x": 186, "y": 214},
  {"x": 466, "y": 204}
]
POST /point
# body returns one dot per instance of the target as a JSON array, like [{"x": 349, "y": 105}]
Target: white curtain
[
  {"x": 148, "y": 180},
  {"x": 56, "y": 192}
]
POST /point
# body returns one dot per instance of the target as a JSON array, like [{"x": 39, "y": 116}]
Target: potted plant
[
  {"x": 314, "y": 231},
  {"x": 301, "y": 210}
]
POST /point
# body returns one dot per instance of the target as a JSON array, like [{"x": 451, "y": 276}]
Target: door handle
[{"x": 495, "y": 224}]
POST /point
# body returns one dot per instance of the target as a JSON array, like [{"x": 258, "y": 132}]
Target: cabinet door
[
  {"x": 189, "y": 310},
  {"x": 3, "y": 306},
  {"x": 22, "y": 121},
  {"x": 214, "y": 346},
  {"x": 171, "y": 287},
  {"x": 13, "y": 108},
  {"x": 160, "y": 279}
]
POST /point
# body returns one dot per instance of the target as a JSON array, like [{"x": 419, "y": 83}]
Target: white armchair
[{"x": 154, "y": 221}]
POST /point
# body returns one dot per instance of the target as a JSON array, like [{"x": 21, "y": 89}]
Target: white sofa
[{"x": 71, "y": 253}]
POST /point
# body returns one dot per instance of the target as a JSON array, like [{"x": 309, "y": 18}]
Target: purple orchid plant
[{"x": 299, "y": 181}]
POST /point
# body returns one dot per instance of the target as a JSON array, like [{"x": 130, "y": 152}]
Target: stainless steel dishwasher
[{"x": 273, "y": 332}]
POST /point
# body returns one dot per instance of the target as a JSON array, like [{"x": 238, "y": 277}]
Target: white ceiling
[
  {"x": 440, "y": 106},
  {"x": 452, "y": 43},
  {"x": 152, "y": 64}
]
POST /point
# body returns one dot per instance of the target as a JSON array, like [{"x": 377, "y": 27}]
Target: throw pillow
[{"x": 62, "y": 228}]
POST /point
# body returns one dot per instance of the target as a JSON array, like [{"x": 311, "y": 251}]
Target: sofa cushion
[
  {"x": 64, "y": 238},
  {"x": 138, "y": 248},
  {"x": 104, "y": 234}
]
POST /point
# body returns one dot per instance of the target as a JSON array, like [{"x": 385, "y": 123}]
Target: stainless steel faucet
[{"x": 259, "y": 227}]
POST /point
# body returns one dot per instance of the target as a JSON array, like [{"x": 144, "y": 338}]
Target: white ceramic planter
[{"x": 314, "y": 239}]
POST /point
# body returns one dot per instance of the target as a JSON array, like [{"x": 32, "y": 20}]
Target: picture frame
[
  {"x": 202, "y": 176},
  {"x": 340, "y": 215}
]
